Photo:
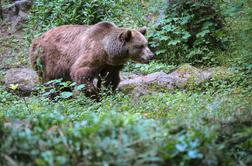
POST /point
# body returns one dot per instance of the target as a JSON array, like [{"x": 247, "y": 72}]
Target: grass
[
  {"x": 156, "y": 130},
  {"x": 13, "y": 51}
]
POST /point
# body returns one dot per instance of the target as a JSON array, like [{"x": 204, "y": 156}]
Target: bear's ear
[
  {"x": 142, "y": 30},
  {"x": 125, "y": 36}
]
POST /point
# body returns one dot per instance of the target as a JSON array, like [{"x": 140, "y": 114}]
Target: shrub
[
  {"x": 189, "y": 32},
  {"x": 47, "y": 14},
  {"x": 188, "y": 129},
  {"x": 239, "y": 16},
  {"x": 153, "y": 66},
  {"x": 108, "y": 139}
]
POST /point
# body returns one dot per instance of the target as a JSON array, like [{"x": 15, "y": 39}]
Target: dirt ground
[{"x": 14, "y": 48}]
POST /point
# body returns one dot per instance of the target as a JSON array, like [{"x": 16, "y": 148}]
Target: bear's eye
[{"x": 139, "y": 46}]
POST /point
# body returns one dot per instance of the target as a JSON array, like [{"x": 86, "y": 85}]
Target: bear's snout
[
  {"x": 151, "y": 56},
  {"x": 148, "y": 55}
]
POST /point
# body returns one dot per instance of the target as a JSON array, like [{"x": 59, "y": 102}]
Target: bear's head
[{"x": 136, "y": 45}]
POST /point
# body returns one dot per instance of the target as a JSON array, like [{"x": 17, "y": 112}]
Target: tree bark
[{"x": 1, "y": 11}]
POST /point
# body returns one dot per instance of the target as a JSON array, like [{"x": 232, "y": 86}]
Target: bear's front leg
[
  {"x": 110, "y": 77},
  {"x": 85, "y": 75}
]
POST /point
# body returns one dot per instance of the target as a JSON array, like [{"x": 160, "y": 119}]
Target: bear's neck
[{"x": 114, "y": 49}]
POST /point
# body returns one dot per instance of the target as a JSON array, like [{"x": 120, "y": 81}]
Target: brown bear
[{"x": 81, "y": 53}]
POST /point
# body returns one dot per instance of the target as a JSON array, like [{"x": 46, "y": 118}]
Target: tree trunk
[{"x": 1, "y": 12}]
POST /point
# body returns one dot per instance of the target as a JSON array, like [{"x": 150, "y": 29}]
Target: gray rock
[
  {"x": 13, "y": 9},
  {"x": 184, "y": 77},
  {"x": 23, "y": 5},
  {"x": 24, "y": 79},
  {"x": 127, "y": 76},
  {"x": 144, "y": 80},
  {"x": 17, "y": 21},
  {"x": 16, "y": 13},
  {"x": 160, "y": 79}
]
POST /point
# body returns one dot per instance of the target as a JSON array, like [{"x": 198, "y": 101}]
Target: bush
[
  {"x": 153, "y": 66},
  {"x": 189, "y": 32},
  {"x": 162, "y": 129},
  {"x": 54, "y": 139},
  {"x": 47, "y": 14},
  {"x": 239, "y": 16}
]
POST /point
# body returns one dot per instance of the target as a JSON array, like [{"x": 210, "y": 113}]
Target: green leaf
[
  {"x": 194, "y": 154},
  {"x": 14, "y": 86},
  {"x": 186, "y": 35},
  {"x": 203, "y": 33},
  {"x": 49, "y": 93},
  {"x": 54, "y": 81},
  {"x": 80, "y": 87},
  {"x": 174, "y": 42},
  {"x": 66, "y": 95},
  {"x": 181, "y": 147}
]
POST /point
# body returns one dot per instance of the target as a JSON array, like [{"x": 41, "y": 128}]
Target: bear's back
[{"x": 64, "y": 33}]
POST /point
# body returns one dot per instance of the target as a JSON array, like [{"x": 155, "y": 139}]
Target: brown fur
[{"x": 81, "y": 53}]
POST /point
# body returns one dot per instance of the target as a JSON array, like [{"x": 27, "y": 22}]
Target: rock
[
  {"x": 185, "y": 77},
  {"x": 16, "y": 13},
  {"x": 14, "y": 9},
  {"x": 17, "y": 21},
  {"x": 127, "y": 76},
  {"x": 23, "y": 5},
  {"x": 159, "y": 78},
  {"x": 22, "y": 80}
]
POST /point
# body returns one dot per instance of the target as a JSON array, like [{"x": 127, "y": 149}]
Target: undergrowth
[{"x": 179, "y": 128}]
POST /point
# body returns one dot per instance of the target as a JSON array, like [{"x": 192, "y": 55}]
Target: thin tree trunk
[{"x": 1, "y": 11}]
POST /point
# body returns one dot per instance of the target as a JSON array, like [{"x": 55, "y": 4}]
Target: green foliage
[
  {"x": 47, "y": 14},
  {"x": 13, "y": 51},
  {"x": 162, "y": 129},
  {"x": 238, "y": 82},
  {"x": 97, "y": 140},
  {"x": 189, "y": 32},
  {"x": 6, "y": 97},
  {"x": 239, "y": 16},
  {"x": 58, "y": 89},
  {"x": 130, "y": 14},
  {"x": 153, "y": 66}
]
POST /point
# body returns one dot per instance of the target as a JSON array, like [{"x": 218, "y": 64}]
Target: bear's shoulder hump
[{"x": 105, "y": 24}]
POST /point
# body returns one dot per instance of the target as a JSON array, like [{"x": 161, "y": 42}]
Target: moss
[
  {"x": 187, "y": 68},
  {"x": 192, "y": 75},
  {"x": 221, "y": 73},
  {"x": 128, "y": 88}
]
